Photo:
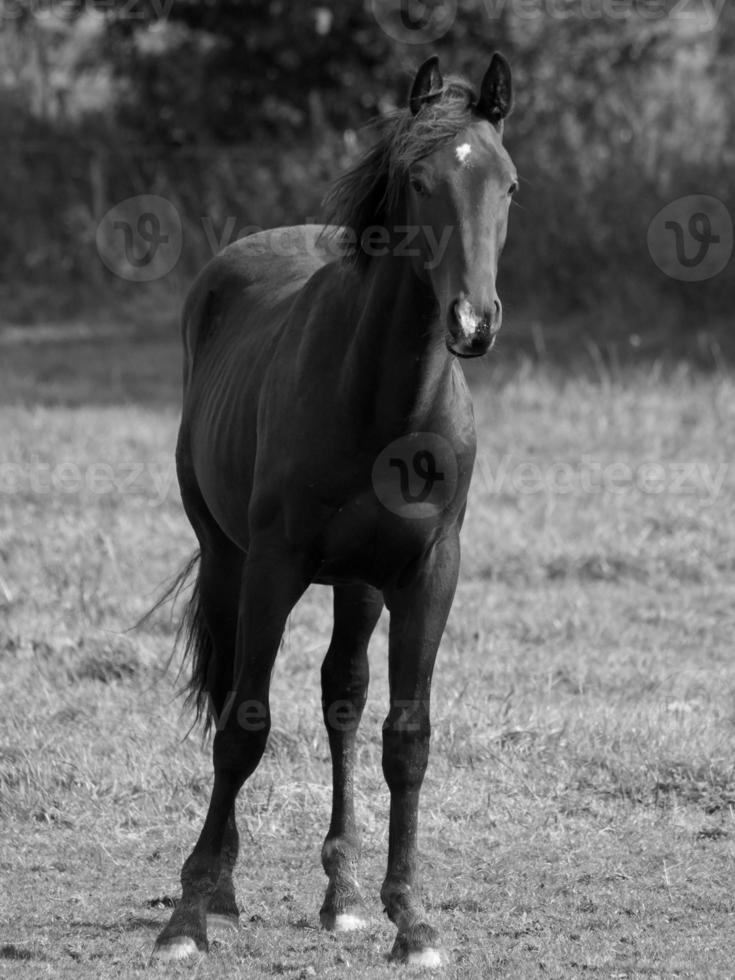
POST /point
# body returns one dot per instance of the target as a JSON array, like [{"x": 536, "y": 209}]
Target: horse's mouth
[{"x": 470, "y": 351}]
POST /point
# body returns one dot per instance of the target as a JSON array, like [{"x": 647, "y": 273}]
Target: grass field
[{"x": 577, "y": 817}]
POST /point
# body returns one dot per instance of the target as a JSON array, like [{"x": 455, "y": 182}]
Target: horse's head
[{"x": 458, "y": 195}]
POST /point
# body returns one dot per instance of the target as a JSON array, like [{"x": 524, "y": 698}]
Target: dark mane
[{"x": 370, "y": 192}]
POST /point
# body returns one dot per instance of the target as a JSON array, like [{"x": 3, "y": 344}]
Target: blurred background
[{"x": 238, "y": 114}]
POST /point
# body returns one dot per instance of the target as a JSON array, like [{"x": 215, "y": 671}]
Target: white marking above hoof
[
  {"x": 178, "y": 948},
  {"x": 222, "y": 923},
  {"x": 348, "y": 922},
  {"x": 430, "y": 958}
]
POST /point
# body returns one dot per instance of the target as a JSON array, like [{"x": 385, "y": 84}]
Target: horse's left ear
[
  {"x": 427, "y": 85},
  {"x": 496, "y": 92}
]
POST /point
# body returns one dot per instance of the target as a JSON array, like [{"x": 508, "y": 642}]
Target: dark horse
[{"x": 327, "y": 436}]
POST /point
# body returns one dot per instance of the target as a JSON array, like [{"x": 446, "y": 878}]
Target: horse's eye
[
  {"x": 419, "y": 186},
  {"x": 513, "y": 188}
]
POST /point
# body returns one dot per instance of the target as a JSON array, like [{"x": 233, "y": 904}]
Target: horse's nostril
[{"x": 497, "y": 317}]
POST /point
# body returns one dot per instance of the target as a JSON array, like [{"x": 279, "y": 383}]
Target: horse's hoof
[
  {"x": 175, "y": 948},
  {"x": 345, "y": 921},
  {"x": 344, "y": 915},
  {"x": 429, "y": 958},
  {"x": 418, "y": 947},
  {"x": 218, "y": 922}
]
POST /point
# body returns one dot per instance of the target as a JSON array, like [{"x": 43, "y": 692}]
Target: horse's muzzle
[{"x": 472, "y": 334}]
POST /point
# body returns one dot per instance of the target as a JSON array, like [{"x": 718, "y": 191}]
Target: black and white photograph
[{"x": 367, "y": 489}]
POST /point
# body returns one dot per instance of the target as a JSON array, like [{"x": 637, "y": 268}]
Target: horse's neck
[{"x": 397, "y": 355}]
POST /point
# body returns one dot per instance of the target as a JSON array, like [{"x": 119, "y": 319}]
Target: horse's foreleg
[
  {"x": 345, "y": 676},
  {"x": 270, "y": 587},
  {"x": 418, "y": 614},
  {"x": 222, "y": 910}
]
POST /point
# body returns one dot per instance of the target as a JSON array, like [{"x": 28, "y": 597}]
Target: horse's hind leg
[
  {"x": 220, "y": 575},
  {"x": 213, "y": 614},
  {"x": 218, "y": 597},
  {"x": 271, "y": 584},
  {"x": 344, "y": 691},
  {"x": 219, "y": 593},
  {"x": 222, "y": 910}
]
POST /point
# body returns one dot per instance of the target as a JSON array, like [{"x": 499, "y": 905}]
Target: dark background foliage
[{"x": 241, "y": 112}]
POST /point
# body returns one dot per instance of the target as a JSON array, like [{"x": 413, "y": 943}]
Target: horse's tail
[
  {"x": 198, "y": 647},
  {"x": 194, "y": 634}
]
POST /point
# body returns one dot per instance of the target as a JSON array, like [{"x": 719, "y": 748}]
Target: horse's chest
[{"x": 366, "y": 540}]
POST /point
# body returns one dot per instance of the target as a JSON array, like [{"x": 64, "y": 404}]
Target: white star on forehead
[{"x": 463, "y": 152}]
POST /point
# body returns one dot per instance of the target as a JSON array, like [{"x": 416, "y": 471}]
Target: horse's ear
[
  {"x": 427, "y": 85},
  {"x": 496, "y": 92}
]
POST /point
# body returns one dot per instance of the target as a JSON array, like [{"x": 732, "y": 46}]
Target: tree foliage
[{"x": 245, "y": 110}]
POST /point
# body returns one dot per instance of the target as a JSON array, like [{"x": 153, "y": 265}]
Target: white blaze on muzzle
[{"x": 468, "y": 320}]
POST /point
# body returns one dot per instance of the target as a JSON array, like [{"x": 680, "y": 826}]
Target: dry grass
[{"x": 577, "y": 815}]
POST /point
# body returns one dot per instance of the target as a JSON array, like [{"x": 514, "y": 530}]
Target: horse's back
[{"x": 244, "y": 286}]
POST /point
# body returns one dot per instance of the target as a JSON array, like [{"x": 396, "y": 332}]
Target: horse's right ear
[{"x": 427, "y": 85}]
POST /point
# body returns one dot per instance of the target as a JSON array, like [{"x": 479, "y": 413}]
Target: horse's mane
[{"x": 370, "y": 191}]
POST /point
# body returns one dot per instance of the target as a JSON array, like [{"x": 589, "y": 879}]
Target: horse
[{"x": 327, "y": 436}]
